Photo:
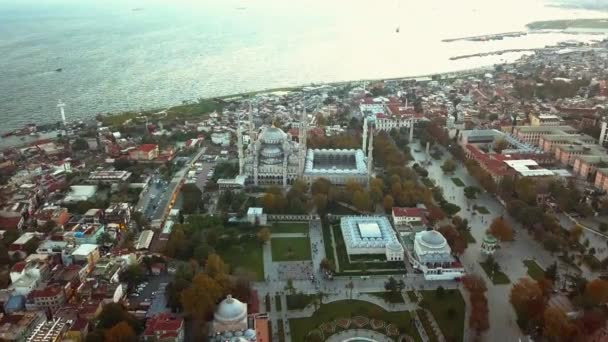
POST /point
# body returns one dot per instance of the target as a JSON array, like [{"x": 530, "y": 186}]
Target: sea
[{"x": 108, "y": 56}]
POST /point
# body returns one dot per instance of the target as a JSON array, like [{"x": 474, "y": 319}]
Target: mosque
[
  {"x": 232, "y": 323},
  {"x": 274, "y": 158}
]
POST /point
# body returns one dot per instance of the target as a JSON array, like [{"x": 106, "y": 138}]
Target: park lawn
[
  {"x": 328, "y": 243},
  {"x": 412, "y": 296},
  {"x": 451, "y": 327},
  {"x": 300, "y": 327},
  {"x": 246, "y": 255},
  {"x": 499, "y": 277},
  {"x": 534, "y": 270},
  {"x": 299, "y": 301},
  {"x": 427, "y": 182},
  {"x": 290, "y": 249},
  {"x": 481, "y": 209},
  {"x": 426, "y": 325},
  {"x": 277, "y": 300},
  {"x": 469, "y": 236},
  {"x": 289, "y": 227},
  {"x": 458, "y": 181},
  {"x": 389, "y": 297}
]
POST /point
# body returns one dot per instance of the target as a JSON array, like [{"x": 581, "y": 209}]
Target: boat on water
[
  {"x": 59, "y": 69},
  {"x": 397, "y": 30}
]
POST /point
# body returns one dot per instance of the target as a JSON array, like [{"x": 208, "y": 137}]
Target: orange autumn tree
[
  {"x": 501, "y": 229},
  {"x": 121, "y": 332},
  {"x": 597, "y": 291}
]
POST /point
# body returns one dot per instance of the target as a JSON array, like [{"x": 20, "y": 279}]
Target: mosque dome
[
  {"x": 432, "y": 239},
  {"x": 273, "y": 135},
  {"x": 271, "y": 151},
  {"x": 230, "y": 310}
]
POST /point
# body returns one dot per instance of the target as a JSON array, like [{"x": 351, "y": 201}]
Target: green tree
[
  {"x": 132, "y": 275},
  {"x": 80, "y": 144},
  {"x": 264, "y": 235},
  {"x": 449, "y": 166}
]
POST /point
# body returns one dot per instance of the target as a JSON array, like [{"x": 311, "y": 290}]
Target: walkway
[{"x": 358, "y": 335}]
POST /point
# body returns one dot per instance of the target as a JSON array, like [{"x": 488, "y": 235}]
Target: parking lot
[{"x": 152, "y": 291}]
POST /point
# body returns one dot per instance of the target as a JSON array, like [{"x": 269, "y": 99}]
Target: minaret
[
  {"x": 364, "y": 134},
  {"x": 285, "y": 160},
  {"x": 61, "y": 106},
  {"x": 239, "y": 141},
  {"x": 251, "y": 125},
  {"x": 411, "y": 138},
  {"x": 370, "y": 153},
  {"x": 303, "y": 136}
]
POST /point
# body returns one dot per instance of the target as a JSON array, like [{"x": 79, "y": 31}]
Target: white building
[
  {"x": 256, "y": 216},
  {"x": 231, "y": 323},
  {"x": 371, "y": 235},
  {"x": 221, "y": 138},
  {"x": 432, "y": 255}
]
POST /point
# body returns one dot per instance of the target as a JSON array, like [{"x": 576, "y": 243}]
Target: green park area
[
  {"x": 534, "y": 270},
  {"x": 290, "y": 249},
  {"x": 448, "y": 308},
  {"x": 495, "y": 274},
  {"x": 289, "y": 227},
  {"x": 351, "y": 314},
  {"x": 299, "y": 301},
  {"x": 246, "y": 256},
  {"x": 601, "y": 24},
  {"x": 481, "y": 209},
  {"x": 458, "y": 181},
  {"x": 389, "y": 296}
]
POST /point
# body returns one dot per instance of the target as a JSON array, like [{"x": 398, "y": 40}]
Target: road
[{"x": 510, "y": 256}]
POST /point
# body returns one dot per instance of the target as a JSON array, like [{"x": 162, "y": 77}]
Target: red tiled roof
[
  {"x": 18, "y": 267},
  {"x": 9, "y": 223},
  {"x": 148, "y": 147},
  {"x": 409, "y": 212},
  {"x": 164, "y": 322}
]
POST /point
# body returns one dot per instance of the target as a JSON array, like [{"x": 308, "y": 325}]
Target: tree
[
  {"x": 327, "y": 265},
  {"x": 525, "y": 187},
  {"x": 471, "y": 192},
  {"x": 5, "y": 259},
  {"x": 455, "y": 239},
  {"x": 500, "y": 144},
  {"x": 388, "y": 203},
  {"x": 525, "y": 296},
  {"x": 320, "y": 202},
  {"x": 215, "y": 266},
  {"x": 32, "y": 245},
  {"x": 557, "y": 325},
  {"x": 114, "y": 313},
  {"x": 200, "y": 298},
  {"x": 105, "y": 239},
  {"x": 192, "y": 198},
  {"x": 449, "y": 166},
  {"x": 264, "y": 235},
  {"x": 597, "y": 291},
  {"x": 132, "y": 275},
  {"x": 80, "y": 144},
  {"x": 501, "y": 229},
  {"x": 121, "y": 332}
]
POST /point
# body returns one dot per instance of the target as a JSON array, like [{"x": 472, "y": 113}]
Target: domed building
[
  {"x": 231, "y": 322},
  {"x": 274, "y": 158},
  {"x": 432, "y": 255}
]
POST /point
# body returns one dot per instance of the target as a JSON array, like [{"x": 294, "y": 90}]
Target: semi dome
[
  {"x": 432, "y": 238},
  {"x": 271, "y": 151},
  {"x": 273, "y": 135},
  {"x": 230, "y": 310}
]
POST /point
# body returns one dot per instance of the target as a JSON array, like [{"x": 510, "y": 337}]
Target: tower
[
  {"x": 303, "y": 136},
  {"x": 364, "y": 134},
  {"x": 61, "y": 107},
  {"x": 603, "y": 132},
  {"x": 370, "y": 153},
  {"x": 411, "y": 137},
  {"x": 251, "y": 125},
  {"x": 239, "y": 141}
]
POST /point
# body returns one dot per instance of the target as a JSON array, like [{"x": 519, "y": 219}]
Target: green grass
[
  {"x": 481, "y": 209},
  {"x": 412, "y": 296},
  {"x": 300, "y": 327},
  {"x": 389, "y": 297},
  {"x": 289, "y": 227},
  {"x": 426, "y": 325},
  {"x": 449, "y": 312},
  {"x": 245, "y": 255},
  {"x": 565, "y": 24},
  {"x": 290, "y": 249},
  {"x": 299, "y": 301},
  {"x": 277, "y": 300},
  {"x": 328, "y": 243},
  {"x": 281, "y": 329},
  {"x": 500, "y": 278},
  {"x": 427, "y": 182},
  {"x": 534, "y": 270},
  {"x": 469, "y": 236},
  {"x": 457, "y": 181}
]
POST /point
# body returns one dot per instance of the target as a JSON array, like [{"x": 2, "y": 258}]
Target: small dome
[
  {"x": 249, "y": 334},
  {"x": 394, "y": 247},
  {"x": 230, "y": 310},
  {"x": 432, "y": 238},
  {"x": 273, "y": 135}
]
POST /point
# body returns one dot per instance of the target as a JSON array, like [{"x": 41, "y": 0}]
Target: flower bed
[
  {"x": 360, "y": 321},
  {"x": 377, "y": 324},
  {"x": 343, "y": 323}
]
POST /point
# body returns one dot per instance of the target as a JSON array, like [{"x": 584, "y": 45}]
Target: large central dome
[
  {"x": 273, "y": 135},
  {"x": 433, "y": 239},
  {"x": 230, "y": 310}
]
